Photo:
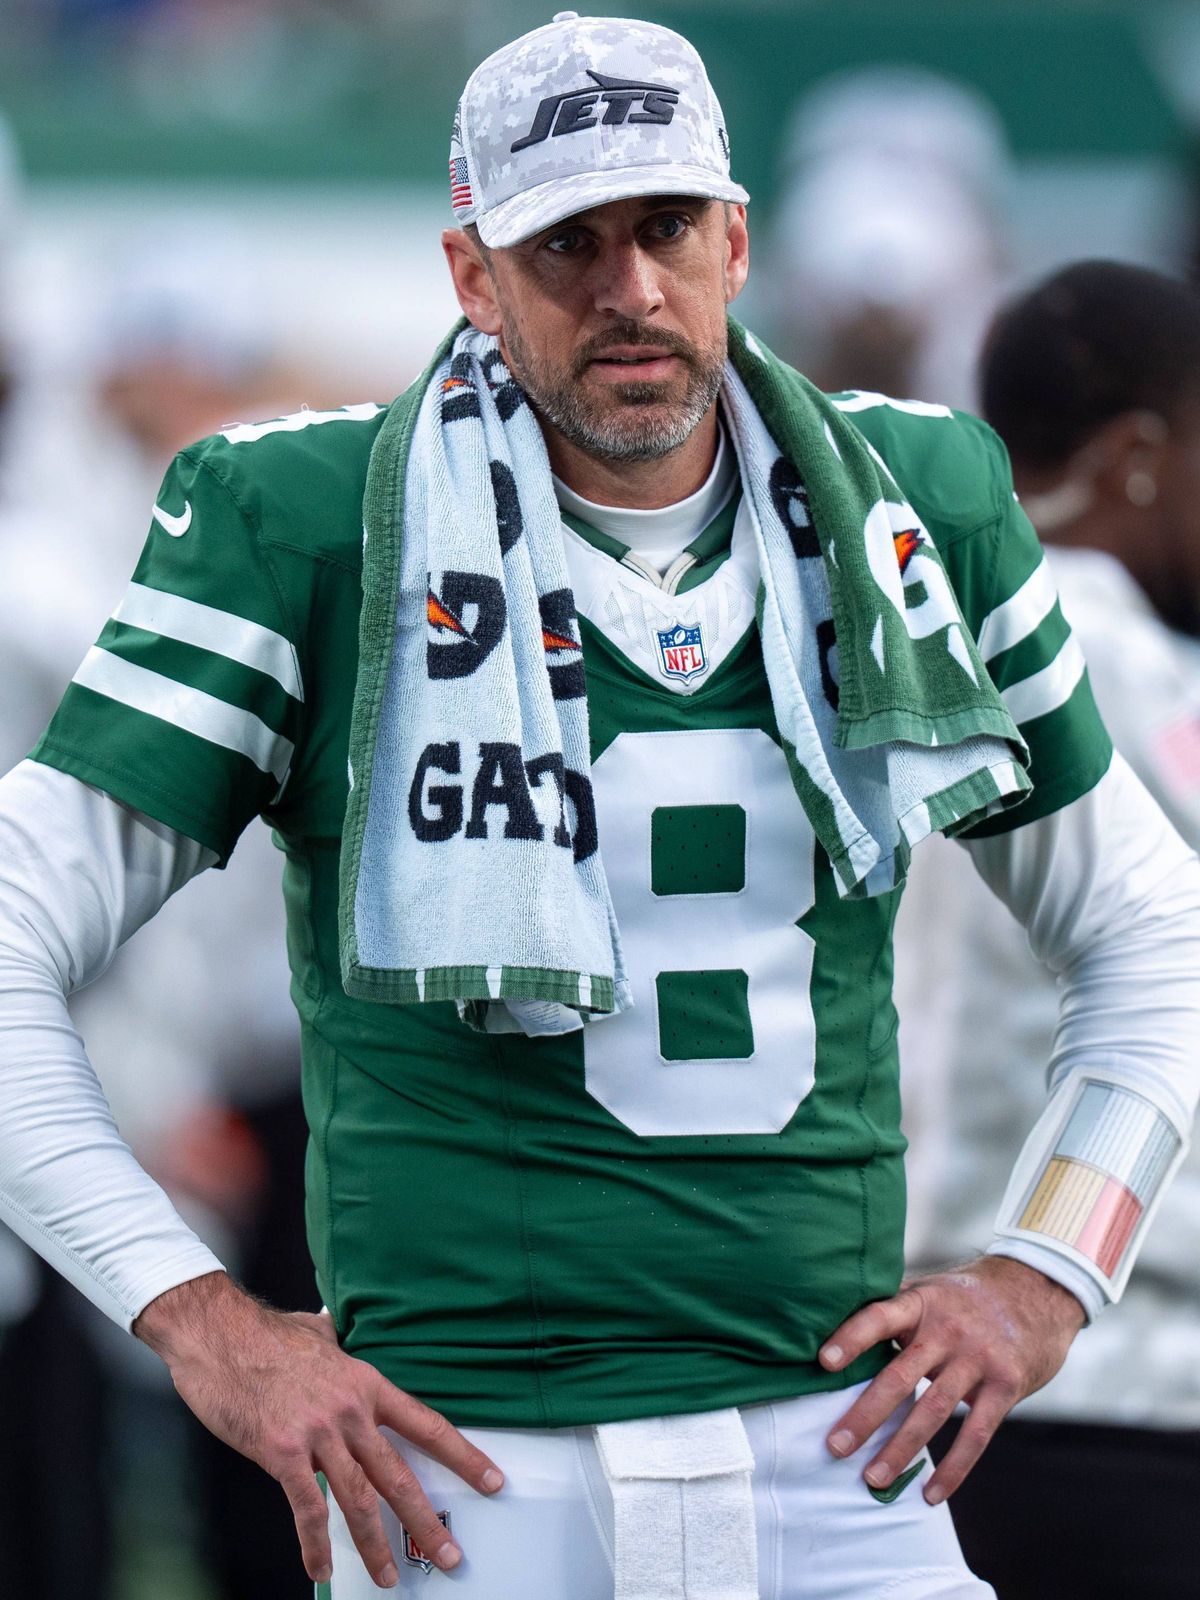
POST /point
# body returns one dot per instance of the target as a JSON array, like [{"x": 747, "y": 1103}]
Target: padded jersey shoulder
[
  {"x": 299, "y": 480},
  {"x": 952, "y": 466}
]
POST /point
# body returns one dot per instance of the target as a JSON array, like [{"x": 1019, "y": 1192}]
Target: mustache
[{"x": 633, "y": 334}]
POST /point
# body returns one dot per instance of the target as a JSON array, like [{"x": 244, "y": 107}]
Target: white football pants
[{"x": 548, "y": 1534}]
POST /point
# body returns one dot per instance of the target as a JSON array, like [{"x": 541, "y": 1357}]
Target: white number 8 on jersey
[{"x": 709, "y": 859}]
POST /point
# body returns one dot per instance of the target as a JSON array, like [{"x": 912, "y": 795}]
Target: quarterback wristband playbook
[{"x": 1088, "y": 1181}]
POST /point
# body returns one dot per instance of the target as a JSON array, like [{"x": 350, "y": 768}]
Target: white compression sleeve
[
  {"x": 78, "y": 875},
  {"x": 1110, "y": 898}
]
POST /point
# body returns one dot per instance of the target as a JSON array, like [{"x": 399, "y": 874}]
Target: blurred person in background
[
  {"x": 1089, "y": 1491},
  {"x": 207, "y": 1094},
  {"x": 886, "y": 252},
  {"x": 50, "y": 1371},
  {"x": 26, "y": 1493},
  {"x": 172, "y": 345}
]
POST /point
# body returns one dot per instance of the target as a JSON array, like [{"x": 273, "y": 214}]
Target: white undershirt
[
  {"x": 1109, "y": 893},
  {"x": 660, "y": 535}
]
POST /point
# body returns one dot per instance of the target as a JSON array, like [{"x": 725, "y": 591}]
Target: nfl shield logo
[
  {"x": 414, "y": 1556},
  {"x": 681, "y": 651}
]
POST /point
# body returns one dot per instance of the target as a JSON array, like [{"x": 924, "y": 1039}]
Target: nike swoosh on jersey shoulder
[{"x": 176, "y": 526}]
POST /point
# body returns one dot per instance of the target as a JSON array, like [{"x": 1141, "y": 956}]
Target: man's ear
[
  {"x": 737, "y": 252},
  {"x": 473, "y": 282},
  {"x": 1127, "y": 456}
]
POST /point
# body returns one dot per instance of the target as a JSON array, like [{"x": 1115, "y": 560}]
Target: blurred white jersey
[{"x": 974, "y": 1051}]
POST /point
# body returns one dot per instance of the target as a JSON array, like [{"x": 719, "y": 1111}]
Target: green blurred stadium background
[{"x": 332, "y": 118}]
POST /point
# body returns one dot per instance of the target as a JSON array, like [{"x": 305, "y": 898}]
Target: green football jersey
[{"x": 671, "y": 1209}]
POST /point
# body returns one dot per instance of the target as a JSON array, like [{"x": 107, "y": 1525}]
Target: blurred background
[{"x": 215, "y": 210}]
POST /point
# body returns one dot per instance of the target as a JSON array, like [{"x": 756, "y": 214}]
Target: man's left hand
[{"x": 989, "y": 1333}]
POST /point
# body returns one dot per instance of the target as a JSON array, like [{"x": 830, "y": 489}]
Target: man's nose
[{"x": 626, "y": 283}]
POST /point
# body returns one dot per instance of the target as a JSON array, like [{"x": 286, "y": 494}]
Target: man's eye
[
  {"x": 564, "y": 243},
  {"x": 670, "y": 227}
]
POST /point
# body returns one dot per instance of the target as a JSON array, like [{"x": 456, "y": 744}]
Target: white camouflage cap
[{"x": 580, "y": 112}]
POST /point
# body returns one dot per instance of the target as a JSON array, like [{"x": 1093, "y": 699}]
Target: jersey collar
[{"x": 658, "y": 537}]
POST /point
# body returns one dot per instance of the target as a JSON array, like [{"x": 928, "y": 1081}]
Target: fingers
[
  {"x": 437, "y": 1437},
  {"x": 351, "y": 1486},
  {"x": 391, "y": 1477},
  {"x": 360, "y": 1467},
  {"x": 987, "y": 1412},
  {"x": 312, "y": 1520},
  {"x": 958, "y": 1367},
  {"x": 882, "y": 1319},
  {"x": 887, "y": 1390},
  {"x": 986, "y": 1331},
  {"x": 935, "y": 1407}
]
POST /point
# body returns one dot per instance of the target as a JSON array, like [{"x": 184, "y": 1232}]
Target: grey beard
[
  {"x": 626, "y": 439},
  {"x": 609, "y": 438}
]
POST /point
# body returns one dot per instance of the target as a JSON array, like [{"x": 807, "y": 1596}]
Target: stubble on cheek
[{"x": 635, "y": 421}]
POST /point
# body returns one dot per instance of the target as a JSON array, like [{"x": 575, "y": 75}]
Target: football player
[{"x": 640, "y": 1268}]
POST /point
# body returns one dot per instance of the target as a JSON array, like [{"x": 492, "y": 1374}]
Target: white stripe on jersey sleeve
[
  {"x": 869, "y": 400},
  {"x": 1048, "y": 689},
  {"x": 248, "y": 432},
  {"x": 1020, "y": 614},
  {"x": 225, "y": 634},
  {"x": 186, "y": 708}
]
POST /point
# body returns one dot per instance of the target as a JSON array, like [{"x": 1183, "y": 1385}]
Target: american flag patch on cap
[{"x": 460, "y": 183}]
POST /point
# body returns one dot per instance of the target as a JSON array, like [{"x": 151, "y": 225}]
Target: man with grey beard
[
  {"x": 596, "y": 691},
  {"x": 579, "y": 417}
]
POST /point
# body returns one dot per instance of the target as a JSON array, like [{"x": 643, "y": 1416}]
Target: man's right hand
[{"x": 275, "y": 1386}]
